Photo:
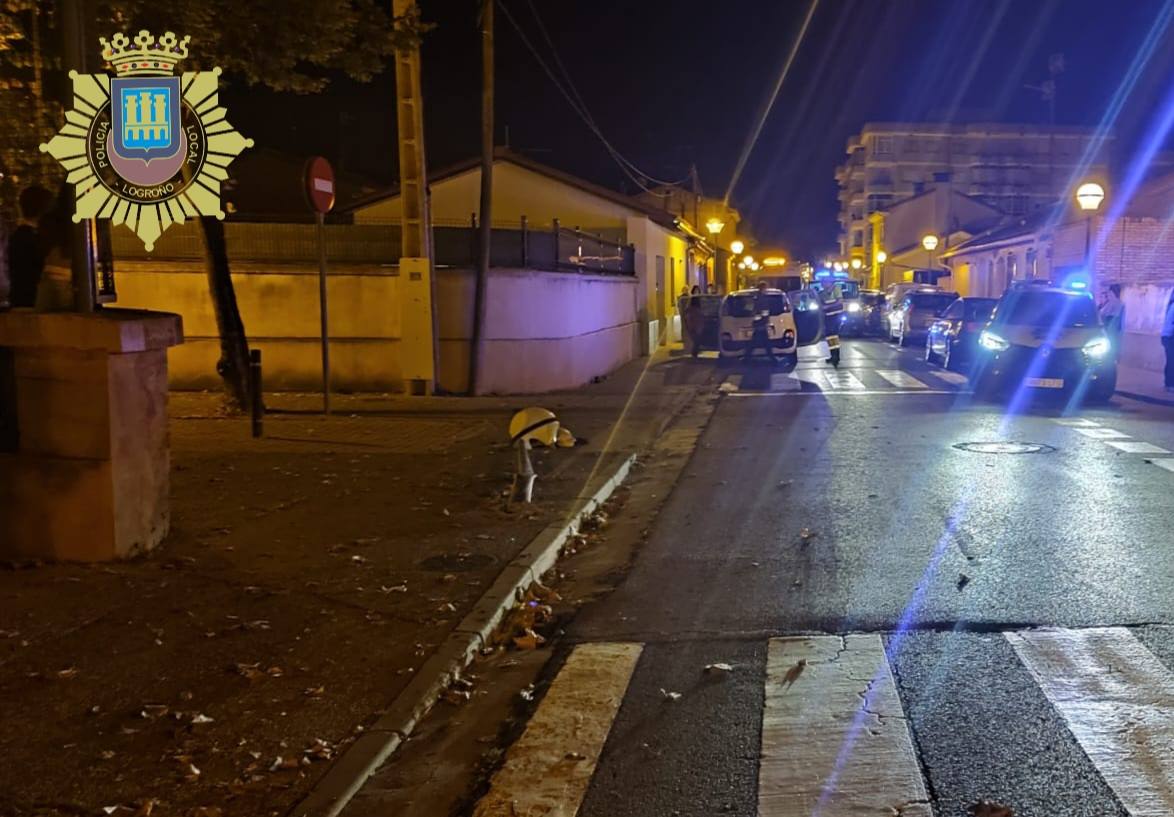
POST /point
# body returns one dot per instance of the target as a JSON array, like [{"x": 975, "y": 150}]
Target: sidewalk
[
  {"x": 1144, "y": 385},
  {"x": 307, "y": 575}
]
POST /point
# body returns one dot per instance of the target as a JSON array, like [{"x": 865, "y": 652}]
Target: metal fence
[{"x": 557, "y": 248}]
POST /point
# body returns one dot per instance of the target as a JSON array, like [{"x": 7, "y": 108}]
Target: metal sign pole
[{"x": 322, "y": 312}]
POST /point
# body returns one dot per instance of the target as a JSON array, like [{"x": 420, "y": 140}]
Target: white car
[
  {"x": 894, "y": 295},
  {"x": 771, "y": 310}
]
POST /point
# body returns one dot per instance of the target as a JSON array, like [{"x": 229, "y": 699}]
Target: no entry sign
[{"x": 320, "y": 185}]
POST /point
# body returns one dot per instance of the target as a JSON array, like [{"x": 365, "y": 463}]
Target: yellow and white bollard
[{"x": 533, "y": 425}]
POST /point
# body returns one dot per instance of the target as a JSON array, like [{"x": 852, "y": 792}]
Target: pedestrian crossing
[
  {"x": 807, "y": 380},
  {"x": 835, "y": 733},
  {"x": 1120, "y": 441}
]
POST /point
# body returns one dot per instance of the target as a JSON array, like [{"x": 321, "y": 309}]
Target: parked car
[
  {"x": 1045, "y": 339},
  {"x": 912, "y": 318},
  {"x": 953, "y": 338},
  {"x": 894, "y": 294},
  {"x": 767, "y": 314}
]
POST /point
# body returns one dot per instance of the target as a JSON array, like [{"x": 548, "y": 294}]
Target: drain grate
[{"x": 1005, "y": 448}]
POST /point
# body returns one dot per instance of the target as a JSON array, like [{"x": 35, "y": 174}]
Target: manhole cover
[
  {"x": 457, "y": 562},
  {"x": 1005, "y": 448}
]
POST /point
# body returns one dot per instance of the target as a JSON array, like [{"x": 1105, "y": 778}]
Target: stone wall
[{"x": 544, "y": 330}]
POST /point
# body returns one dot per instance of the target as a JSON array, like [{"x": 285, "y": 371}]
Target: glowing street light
[
  {"x": 749, "y": 259},
  {"x": 857, "y": 263},
  {"x": 1090, "y": 195},
  {"x": 736, "y": 247},
  {"x": 715, "y": 226},
  {"x": 881, "y": 256},
  {"x": 930, "y": 242}
]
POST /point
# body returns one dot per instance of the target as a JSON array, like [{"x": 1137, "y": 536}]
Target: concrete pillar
[{"x": 84, "y": 467}]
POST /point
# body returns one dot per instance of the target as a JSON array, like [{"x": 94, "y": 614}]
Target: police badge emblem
[{"x": 146, "y": 148}]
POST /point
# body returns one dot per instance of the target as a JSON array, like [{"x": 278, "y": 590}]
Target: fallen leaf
[
  {"x": 670, "y": 696},
  {"x": 191, "y": 773},
  {"x": 719, "y": 668},
  {"x": 201, "y": 718},
  {"x": 985, "y": 808},
  {"x": 529, "y": 640},
  {"x": 153, "y": 711},
  {"x": 314, "y": 692},
  {"x": 106, "y": 755},
  {"x": 575, "y": 756},
  {"x": 69, "y": 672},
  {"x": 457, "y": 697},
  {"x": 794, "y": 672},
  {"x": 807, "y": 534}
]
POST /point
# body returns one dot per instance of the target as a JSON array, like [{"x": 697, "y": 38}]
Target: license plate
[{"x": 1045, "y": 382}]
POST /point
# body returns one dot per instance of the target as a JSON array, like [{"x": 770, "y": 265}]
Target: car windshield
[
  {"x": 1043, "y": 309},
  {"x": 979, "y": 309},
  {"x": 933, "y": 301},
  {"x": 746, "y": 306}
]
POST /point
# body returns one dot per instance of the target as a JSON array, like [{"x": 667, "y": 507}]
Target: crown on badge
[{"x": 147, "y": 57}]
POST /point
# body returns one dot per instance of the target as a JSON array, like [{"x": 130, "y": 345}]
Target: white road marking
[
  {"x": 1136, "y": 447},
  {"x": 812, "y": 376},
  {"x": 1076, "y": 423},
  {"x": 845, "y": 381},
  {"x": 956, "y": 378},
  {"x": 1168, "y": 464},
  {"x": 835, "y": 741},
  {"x": 1102, "y": 433},
  {"x": 1118, "y": 702},
  {"x": 900, "y": 379},
  {"x": 838, "y": 392},
  {"x": 547, "y": 770}
]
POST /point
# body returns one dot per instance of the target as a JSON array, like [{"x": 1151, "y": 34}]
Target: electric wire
[{"x": 630, "y": 170}]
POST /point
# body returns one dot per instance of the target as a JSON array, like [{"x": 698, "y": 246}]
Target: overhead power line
[
  {"x": 746, "y": 150},
  {"x": 575, "y": 100}
]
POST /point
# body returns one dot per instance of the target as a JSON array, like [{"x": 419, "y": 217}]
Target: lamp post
[
  {"x": 1089, "y": 197},
  {"x": 880, "y": 258},
  {"x": 714, "y": 226},
  {"x": 930, "y": 242}
]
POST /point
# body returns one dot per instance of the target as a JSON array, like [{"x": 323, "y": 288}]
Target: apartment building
[{"x": 1015, "y": 168}]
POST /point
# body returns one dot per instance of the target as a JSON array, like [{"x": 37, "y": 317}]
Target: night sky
[{"x": 675, "y": 83}]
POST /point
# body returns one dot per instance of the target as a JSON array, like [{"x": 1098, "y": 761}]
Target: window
[
  {"x": 883, "y": 146},
  {"x": 955, "y": 311},
  {"x": 857, "y": 238}
]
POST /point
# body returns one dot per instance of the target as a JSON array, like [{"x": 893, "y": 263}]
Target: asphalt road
[{"x": 820, "y": 507}]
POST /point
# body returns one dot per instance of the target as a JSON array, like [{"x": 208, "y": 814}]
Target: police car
[{"x": 1046, "y": 339}]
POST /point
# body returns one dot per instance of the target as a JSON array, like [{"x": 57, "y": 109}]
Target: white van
[{"x": 746, "y": 311}]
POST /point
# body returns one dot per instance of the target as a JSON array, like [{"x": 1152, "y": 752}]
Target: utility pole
[
  {"x": 83, "y": 235},
  {"x": 485, "y": 236},
  {"x": 419, "y": 349}
]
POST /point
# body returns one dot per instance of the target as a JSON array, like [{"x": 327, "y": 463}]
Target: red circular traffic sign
[{"x": 320, "y": 185}]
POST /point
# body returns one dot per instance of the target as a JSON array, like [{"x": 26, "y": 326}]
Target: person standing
[
  {"x": 25, "y": 251},
  {"x": 1113, "y": 315},
  {"x": 1168, "y": 342}
]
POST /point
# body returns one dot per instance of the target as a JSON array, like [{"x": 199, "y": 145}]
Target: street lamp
[
  {"x": 749, "y": 259},
  {"x": 736, "y": 247},
  {"x": 881, "y": 256},
  {"x": 930, "y": 242},
  {"x": 857, "y": 263},
  {"x": 714, "y": 225},
  {"x": 1090, "y": 195}
]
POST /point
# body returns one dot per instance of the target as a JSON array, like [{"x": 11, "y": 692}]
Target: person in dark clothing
[
  {"x": 1168, "y": 342},
  {"x": 26, "y": 256}
]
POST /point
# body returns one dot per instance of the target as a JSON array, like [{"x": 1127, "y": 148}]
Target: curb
[
  {"x": 331, "y": 794},
  {"x": 1145, "y": 398}
]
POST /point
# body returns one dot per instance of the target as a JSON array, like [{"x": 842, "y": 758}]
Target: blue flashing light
[
  {"x": 1078, "y": 284},
  {"x": 823, "y": 273},
  {"x": 840, "y": 274}
]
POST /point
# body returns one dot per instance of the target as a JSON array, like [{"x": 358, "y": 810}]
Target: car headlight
[
  {"x": 992, "y": 342},
  {"x": 1098, "y": 347},
  {"x": 853, "y": 306}
]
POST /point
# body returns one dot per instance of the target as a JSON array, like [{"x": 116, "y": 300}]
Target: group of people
[
  {"x": 36, "y": 253},
  {"x": 1112, "y": 312}
]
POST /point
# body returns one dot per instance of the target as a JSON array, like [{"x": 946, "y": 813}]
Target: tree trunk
[{"x": 233, "y": 366}]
